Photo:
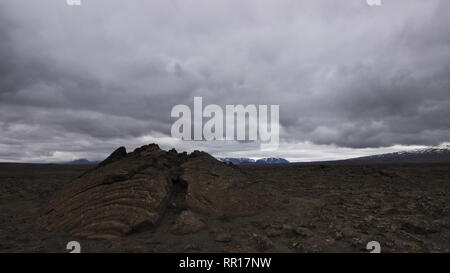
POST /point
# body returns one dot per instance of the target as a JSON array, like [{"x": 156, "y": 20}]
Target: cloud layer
[{"x": 78, "y": 81}]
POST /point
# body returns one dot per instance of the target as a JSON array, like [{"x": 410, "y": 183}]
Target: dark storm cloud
[{"x": 85, "y": 79}]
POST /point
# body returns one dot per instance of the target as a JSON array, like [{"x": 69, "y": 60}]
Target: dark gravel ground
[{"x": 406, "y": 208}]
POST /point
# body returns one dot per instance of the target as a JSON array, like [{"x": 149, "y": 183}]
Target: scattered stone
[
  {"x": 287, "y": 228},
  {"x": 262, "y": 242},
  {"x": 348, "y": 232},
  {"x": 416, "y": 226},
  {"x": 187, "y": 222},
  {"x": 304, "y": 232},
  {"x": 223, "y": 237}
]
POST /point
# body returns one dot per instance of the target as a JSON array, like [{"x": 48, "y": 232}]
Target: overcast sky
[{"x": 350, "y": 79}]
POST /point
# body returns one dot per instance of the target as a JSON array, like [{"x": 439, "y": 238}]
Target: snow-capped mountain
[
  {"x": 240, "y": 160},
  {"x": 245, "y": 160},
  {"x": 272, "y": 160},
  {"x": 440, "y": 154}
]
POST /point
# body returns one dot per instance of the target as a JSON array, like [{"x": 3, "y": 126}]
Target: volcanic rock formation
[
  {"x": 217, "y": 188},
  {"x": 130, "y": 191}
]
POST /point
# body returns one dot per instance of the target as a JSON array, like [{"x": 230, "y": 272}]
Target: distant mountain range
[
  {"x": 245, "y": 160},
  {"x": 236, "y": 160},
  {"x": 272, "y": 160},
  {"x": 427, "y": 155},
  {"x": 81, "y": 161}
]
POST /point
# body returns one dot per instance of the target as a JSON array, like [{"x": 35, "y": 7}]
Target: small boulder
[
  {"x": 187, "y": 222},
  {"x": 223, "y": 237},
  {"x": 303, "y": 232},
  {"x": 263, "y": 243}
]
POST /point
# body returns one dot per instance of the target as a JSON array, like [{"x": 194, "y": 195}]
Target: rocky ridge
[{"x": 128, "y": 192}]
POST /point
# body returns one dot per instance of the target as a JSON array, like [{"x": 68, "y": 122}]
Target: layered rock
[
  {"x": 129, "y": 191},
  {"x": 116, "y": 197},
  {"x": 217, "y": 188}
]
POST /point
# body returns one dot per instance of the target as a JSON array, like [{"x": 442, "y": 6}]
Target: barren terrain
[{"x": 321, "y": 208}]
